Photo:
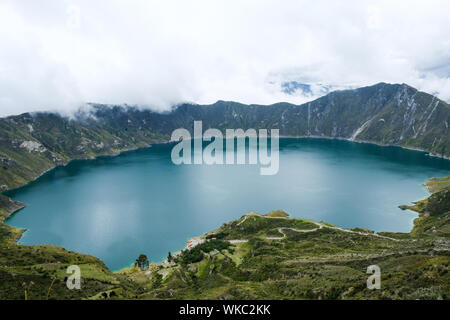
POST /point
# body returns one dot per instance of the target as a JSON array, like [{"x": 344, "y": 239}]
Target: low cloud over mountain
[{"x": 56, "y": 55}]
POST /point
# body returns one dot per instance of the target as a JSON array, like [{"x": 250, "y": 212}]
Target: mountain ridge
[{"x": 385, "y": 114}]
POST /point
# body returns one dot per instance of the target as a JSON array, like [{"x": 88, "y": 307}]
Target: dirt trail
[
  {"x": 361, "y": 233},
  {"x": 319, "y": 226},
  {"x": 280, "y": 230}
]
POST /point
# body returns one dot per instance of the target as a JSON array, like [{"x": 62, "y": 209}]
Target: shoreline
[
  {"x": 20, "y": 232},
  {"x": 429, "y": 153},
  {"x": 110, "y": 155},
  {"x": 120, "y": 152}
]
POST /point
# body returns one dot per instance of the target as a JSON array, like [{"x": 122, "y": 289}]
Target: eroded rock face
[{"x": 33, "y": 146}]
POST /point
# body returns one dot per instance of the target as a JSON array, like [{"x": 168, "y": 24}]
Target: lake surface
[{"x": 139, "y": 202}]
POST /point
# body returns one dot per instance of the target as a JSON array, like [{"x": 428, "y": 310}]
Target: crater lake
[{"x": 116, "y": 208}]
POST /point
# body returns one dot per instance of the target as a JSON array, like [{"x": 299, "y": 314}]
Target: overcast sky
[{"x": 55, "y": 55}]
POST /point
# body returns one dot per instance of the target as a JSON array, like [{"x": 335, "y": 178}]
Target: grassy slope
[
  {"x": 438, "y": 184},
  {"x": 434, "y": 212},
  {"x": 328, "y": 263},
  {"x": 37, "y": 267}
]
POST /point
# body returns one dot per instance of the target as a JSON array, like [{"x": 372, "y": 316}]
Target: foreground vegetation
[
  {"x": 258, "y": 256},
  {"x": 278, "y": 257}
]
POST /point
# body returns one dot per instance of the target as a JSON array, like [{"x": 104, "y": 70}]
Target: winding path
[
  {"x": 280, "y": 230},
  {"x": 319, "y": 226}
]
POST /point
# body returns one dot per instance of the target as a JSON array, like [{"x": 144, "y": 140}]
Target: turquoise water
[{"x": 139, "y": 202}]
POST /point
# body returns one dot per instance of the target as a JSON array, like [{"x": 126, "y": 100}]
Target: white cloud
[{"x": 54, "y": 55}]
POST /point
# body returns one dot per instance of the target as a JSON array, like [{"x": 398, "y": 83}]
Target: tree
[
  {"x": 169, "y": 257},
  {"x": 142, "y": 262}
]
